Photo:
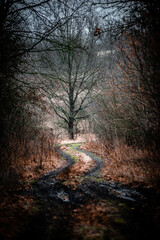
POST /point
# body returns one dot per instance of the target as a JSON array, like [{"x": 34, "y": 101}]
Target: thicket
[
  {"x": 21, "y": 105},
  {"x": 128, "y": 106},
  {"x": 125, "y": 105},
  {"x": 25, "y": 28}
]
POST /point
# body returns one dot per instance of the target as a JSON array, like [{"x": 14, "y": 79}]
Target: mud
[{"x": 62, "y": 211}]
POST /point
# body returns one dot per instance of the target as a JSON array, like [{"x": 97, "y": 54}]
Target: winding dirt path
[
  {"x": 81, "y": 172},
  {"x": 74, "y": 203},
  {"x": 98, "y": 162}
]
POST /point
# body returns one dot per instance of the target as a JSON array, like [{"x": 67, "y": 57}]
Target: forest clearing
[{"x": 79, "y": 119}]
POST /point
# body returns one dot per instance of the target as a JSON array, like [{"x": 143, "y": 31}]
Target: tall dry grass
[
  {"x": 128, "y": 164},
  {"x": 22, "y": 158}
]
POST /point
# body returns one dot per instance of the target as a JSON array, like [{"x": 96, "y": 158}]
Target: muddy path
[{"x": 90, "y": 208}]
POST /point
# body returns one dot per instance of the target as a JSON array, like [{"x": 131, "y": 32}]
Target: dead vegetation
[
  {"x": 26, "y": 160},
  {"x": 98, "y": 222},
  {"x": 82, "y": 164},
  {"x": 14, "y": 211},
  {"x": 127, "y": 164},
  {"x": 95, "y": 219}
]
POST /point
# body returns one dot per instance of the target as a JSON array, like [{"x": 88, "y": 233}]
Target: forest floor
[{"x": 74, "y": 198}]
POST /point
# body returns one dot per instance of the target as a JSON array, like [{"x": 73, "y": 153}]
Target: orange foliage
[
  {"x": 127, "y": 164},
  {"x": 28, "y": 159}
]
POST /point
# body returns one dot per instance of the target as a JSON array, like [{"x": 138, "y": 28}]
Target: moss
[
  {"x": 99, "y": 179},
  {"x": 63, "y": 158},
  {"x": 94, "y": 155},
  {"x": 122, "y": 205},
  {"x": 36, "y": 208},
  {"x": 119, "y": 220},
  {"x": 75, "y": 158},
  {"x": 29, "y": 181},
  {"x": 77, "y": 145}
]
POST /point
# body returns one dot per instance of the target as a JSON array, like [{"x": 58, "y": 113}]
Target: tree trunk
[{"x": 71, "y": 128}]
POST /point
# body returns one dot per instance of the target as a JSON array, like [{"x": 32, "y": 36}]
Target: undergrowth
[
  {"x": 27, "y": 159},
  {"x": 128, "y": 164}
]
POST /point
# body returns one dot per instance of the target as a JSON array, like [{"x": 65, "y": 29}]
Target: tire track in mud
[
  {"x": 97, "y": 160},
  {"x": 62, "y": 208},
  {"x": 69, "y": 162},
  {"x": 91, "y": 186},
  {"x": 49, "y": 186},
  {"x": 95, "y": 188}
]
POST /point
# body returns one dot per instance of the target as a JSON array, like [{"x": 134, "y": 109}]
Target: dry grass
[
  {"x": 28, "y": 159},
  {"x": 138, "y": 167},
  {"x": 87, "y": 137},
  {"x": 32, "y": 170},
  {"x": 95, "y": 147},
  {"x": 82, "y": 164}
]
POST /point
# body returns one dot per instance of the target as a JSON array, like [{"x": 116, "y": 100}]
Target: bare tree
[
  {"x": 73, "y": 71},
  {"x": 24, "y": 24},
  {"x": 23, "y": 27}
]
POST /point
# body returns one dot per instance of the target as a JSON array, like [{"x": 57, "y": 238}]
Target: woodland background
[{"x": 71, "y": 67}]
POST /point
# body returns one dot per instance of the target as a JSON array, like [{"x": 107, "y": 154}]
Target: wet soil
[{"x": 94, "y": 209}]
